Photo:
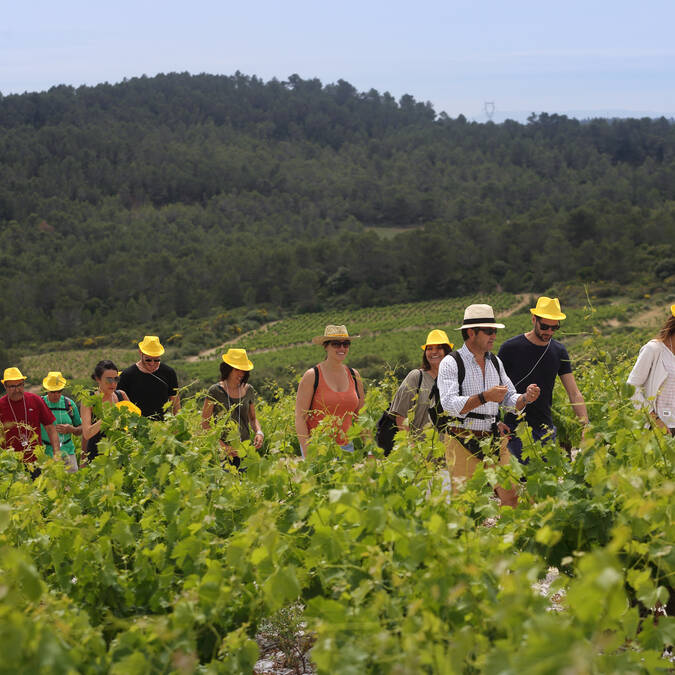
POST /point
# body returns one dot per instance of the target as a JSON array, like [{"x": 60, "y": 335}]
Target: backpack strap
[
  {"x": 489, "y": 356},
  {"x": 356, "y": 386},
  {"x": 461, "y": 371}
]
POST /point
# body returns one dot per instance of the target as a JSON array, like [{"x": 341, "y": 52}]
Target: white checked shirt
[{"x": 474, "y": 383}]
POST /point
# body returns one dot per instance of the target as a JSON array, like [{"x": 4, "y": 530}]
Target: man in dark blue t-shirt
[{"x": 535, "y": 357}]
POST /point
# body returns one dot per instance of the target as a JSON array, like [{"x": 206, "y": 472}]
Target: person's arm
[
  {"x": 255, "y": 425},
  {"x": 53, "y": 438},
  {"x": 575, "y": 396},
  {"x": 640, "y": 373},
  {"x": 303, "y": 400},
  {"x": 175, "y": 404},
  {"x": 89, "y": 430},
  {"x": 402, "y": 401},
  {"x": 75, "y": 427},
  {"x": 124, "y": 395}
]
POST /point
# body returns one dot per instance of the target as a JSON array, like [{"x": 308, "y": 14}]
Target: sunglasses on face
[
  {"x": 14, "y": 386},
  {"x": 147, "y": 359},
  {"x": 110, "y": 380},
  {"x": 546, "y": 326},
  {"x": 488, "y": 331},
  {"x": 339, "y": 343}
]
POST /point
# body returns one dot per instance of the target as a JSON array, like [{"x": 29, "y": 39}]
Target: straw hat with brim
[
  {"x": 332, "y": 332},
  {"x": 548, "y": 308},
  {"x": 238, "y": 359},
  {"x": 480, "y": 316},
  {"x": 131, "y": 407},
  {"x": 437, "y": 337},
  {"x": 151, "y": 346},
  {"x": 54, "y": 381},
  {"x": 12, "y": 374}
]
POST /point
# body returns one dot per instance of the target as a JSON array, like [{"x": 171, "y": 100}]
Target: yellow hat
[
  {"x": 672, "y": 310},
  {"x": 237, "y": 359},
  {"x": 151, "y": 346},
  {"x": 12, "y": 374},
  {"x": 332, "y": 332},
  {"x": 131, "y": 407},
  {"x": 437, "y": 337},
  {"x": 54, "y": 381},
  {"x": 548, "y": 308}
]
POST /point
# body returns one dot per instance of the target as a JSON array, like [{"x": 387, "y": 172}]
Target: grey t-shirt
[
  {"x": 406, "y": 396},
  {"x": 237, "y": 408}
]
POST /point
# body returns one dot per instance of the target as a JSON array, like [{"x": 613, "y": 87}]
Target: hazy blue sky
[{"x": 595, "y": 55}]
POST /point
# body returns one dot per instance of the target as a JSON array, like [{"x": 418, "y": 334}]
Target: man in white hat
[
  {"x": 21, "y": 414},
  {"x": 149, "y": 383},
  {"x": 535, "y": 357},
  {"x": 472, "y": 386}
]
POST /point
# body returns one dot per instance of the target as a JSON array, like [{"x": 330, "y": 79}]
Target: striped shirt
[{"x": 475, "y": 382}]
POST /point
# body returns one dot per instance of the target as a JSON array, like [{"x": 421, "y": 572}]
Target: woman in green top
[
  {"x": 235, "y": 397},
  {"x": 68, "y": 420}
]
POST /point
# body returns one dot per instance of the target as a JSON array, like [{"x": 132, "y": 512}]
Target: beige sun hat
[
  {"x": 54, "y": 381},
  {"x": 548, "y": 308},
  {"x": 480, "y": 316},
  {"x": 332, "y": 332},
  {"x": 151, "y": 346}
]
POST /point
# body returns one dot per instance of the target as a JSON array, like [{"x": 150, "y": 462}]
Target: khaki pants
[{"x": 462, "y": 465}]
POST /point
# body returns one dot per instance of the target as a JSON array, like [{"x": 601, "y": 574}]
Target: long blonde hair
[{"x": 667, "y": 330}]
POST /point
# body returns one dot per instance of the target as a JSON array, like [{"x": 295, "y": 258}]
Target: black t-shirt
[
  {"x": 149, "y": 391},
  {"x": 519, "y": 356}
]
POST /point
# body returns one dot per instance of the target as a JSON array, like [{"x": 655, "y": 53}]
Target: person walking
[
  {"x": 67, "y": 419},
  {"x": 149, "y": 383}
]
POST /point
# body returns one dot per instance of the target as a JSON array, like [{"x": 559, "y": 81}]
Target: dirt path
[
  {"x": 652, "y": 317},
  {"x": 523, "y": 299}
]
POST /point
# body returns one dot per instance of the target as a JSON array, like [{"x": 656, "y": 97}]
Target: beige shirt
[{"x": 406, "y": 397}]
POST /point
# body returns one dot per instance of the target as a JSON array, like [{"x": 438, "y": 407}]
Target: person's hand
[
  {"x": 532, "y": 393},
  {"x": 258, "y": 440},
  {"x": 496, "y": 394},
  {"x": 64, "y": 428},
  {"x": 504, "y": 429}
]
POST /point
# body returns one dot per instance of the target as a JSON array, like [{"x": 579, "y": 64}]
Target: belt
[{"x": 461, "y": 431}]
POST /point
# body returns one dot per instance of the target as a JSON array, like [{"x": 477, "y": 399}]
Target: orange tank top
[{"x": 342, "y": 405}]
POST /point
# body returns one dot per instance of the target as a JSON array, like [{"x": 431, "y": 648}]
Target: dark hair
[
  {"x": 425, "y": 362},
  {"x": 101, "y": 367},
  {"x": 667, "y": 329},
  {"x": 226, "y": 369},
  {"x": 465, "y": 334}
]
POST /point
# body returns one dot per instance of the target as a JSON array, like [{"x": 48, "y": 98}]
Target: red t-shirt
[{"x": 28, "y": 429}]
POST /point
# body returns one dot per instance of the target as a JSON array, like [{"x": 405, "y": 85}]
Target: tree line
[{"x": 172, "y": 196}]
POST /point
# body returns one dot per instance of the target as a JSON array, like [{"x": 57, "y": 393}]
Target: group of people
[{"x": 459, "y": 392}]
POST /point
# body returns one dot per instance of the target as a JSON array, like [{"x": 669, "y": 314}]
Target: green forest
[{"x": 179, "y": 196}]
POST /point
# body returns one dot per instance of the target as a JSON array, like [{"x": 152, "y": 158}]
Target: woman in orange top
[{"x": 330, "y": 388}]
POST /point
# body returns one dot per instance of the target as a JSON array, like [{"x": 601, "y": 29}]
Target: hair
[
  {"x": 101, "y": 367},
  {"x": 465, "y": 334},
  {"x": 667, "y": 329},
  {"x": 226, "y": 369},
  {"x": 425, "y": 363}
]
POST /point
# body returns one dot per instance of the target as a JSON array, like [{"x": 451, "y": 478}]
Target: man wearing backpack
[
  {"x": 536, "y": 357},
  {"x": 67, "y": 416},
  {"x": 472, "y": 386}
]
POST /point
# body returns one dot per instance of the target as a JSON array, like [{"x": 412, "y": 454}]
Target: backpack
[
  {"x": 386, "y": 426},
  {"x": 441, "y": 419},
  {"x": 68, "y": 409}
]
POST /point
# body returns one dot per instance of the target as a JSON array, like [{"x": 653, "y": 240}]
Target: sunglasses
[
  {"x": 339, "y": 343},
  {"x": 488, "y": 331},
  {"x": 547, "y": 326},
  {"x": 149, "y": 360},
  {"x": 14, "y": 386},
  {"x": 110, "y": 380}
]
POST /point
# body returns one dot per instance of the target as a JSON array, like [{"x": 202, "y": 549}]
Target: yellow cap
[
  {"x": 129, "y": 406},
  {"x": 11, "y": 374},
  {"x": 54, "y": 381},
  {"x": 151, "y": 346},
  {"x": 548, "y": 308},
  {"x": 437, "y": 337},
  {"x": 238, "y": 359}
]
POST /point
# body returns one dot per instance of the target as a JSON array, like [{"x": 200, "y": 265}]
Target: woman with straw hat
[
  {"x": 418, "y": 383},
  {"x": 329, "y": 389},
  {"x": 234, "y": 396},
  {"x": 653, "y": 376},
  {"x": 68, "y": 421}
]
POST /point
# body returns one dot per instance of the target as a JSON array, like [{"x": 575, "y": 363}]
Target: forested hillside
[{"x": 178, "y": 195}]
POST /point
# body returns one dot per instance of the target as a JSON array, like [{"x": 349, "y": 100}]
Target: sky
[{"x": 596, "y": 57}]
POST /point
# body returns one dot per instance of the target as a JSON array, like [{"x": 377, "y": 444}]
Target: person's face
[
  {"x": 337, "y": 348},
  {"x": 54, "y": 396},
  {"x": 434, "y": 354},
  {"x": 150, "y": 363},
  {"x": 544, "y": 328},
  {"x": 484, "y": 338},
  {"x": 237, "y": 375},
  {"x": 14, "y": 389},
  {"x": 107, "y": 383}
]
